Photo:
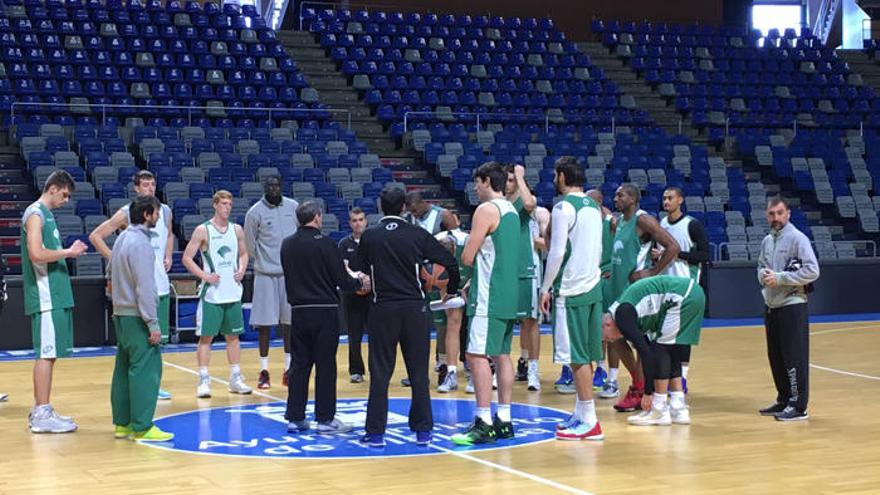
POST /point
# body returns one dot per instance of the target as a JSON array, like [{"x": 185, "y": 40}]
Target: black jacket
[
  {"x": 313, "y": 269},
  {"x": 392, "y": 253},
  {"x": 348, "y": 248}
]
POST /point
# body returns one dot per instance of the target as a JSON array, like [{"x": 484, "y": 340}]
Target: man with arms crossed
[
  {"x": 267, "y": 223},
  {"x": 48, "y": 296},
  {"x": 225, "y": 259},
  {"x": 162, "y": 240}
]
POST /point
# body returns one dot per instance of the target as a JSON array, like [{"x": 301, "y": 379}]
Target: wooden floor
[{"x": 728, "y": 448}]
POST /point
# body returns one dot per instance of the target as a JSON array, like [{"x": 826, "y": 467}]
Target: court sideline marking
[{"x": 462, "y": 455}]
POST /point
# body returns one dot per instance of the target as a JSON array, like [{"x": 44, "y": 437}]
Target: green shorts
[
  {"x": 213, "y": 319},
  {"x": 489, "y": 336},
  {"x": 527, "y": 298},
  {"x": 577, "y": 331},
  {"x": 164, "y": 310},
  {"x": 53, "y": 333}
]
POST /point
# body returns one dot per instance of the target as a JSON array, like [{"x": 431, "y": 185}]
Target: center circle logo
[{"x": 260, "y": 430}]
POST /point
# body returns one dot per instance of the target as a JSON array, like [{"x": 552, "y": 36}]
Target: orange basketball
[{"x": 434, "y": 278}]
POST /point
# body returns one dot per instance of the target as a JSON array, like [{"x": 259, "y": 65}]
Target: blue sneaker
[
  {"x": 424, "y": 437},
  {"x": 568, "y": 423},
  {"x": 610, "y": 390},
  {"x": 599, "y": 377},
  {"x": 565, "y": 377},
  {"x": 377, "y": 440},
  {"x": 164, "y": 395}
]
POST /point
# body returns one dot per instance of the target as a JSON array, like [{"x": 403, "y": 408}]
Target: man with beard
[{"x": 267, "y": 223}]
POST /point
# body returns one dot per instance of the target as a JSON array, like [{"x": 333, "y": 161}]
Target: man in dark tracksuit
[
  {"x": 786, "y": 269},
  {"x": 313, "y": 269},
  {"x": 357, "y": 305},
  {"x": 392, "y": 252}
]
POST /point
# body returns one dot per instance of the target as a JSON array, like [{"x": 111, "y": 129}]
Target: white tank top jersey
[
  {"x": 159, "y": 240},
  {"x": 583, "y": 219},
  {"x": 679, "y": 231},
  {"x": 221, "y": 257}
]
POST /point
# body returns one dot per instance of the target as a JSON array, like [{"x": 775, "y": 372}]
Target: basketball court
[{"x": 240, "y": 443}]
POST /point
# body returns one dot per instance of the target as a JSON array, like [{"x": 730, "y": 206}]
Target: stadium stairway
[
  {"x": 15, "y": 196},
  {"x": 334, "y": 90},
  {"x": 645, "y": 98},
  {"x": 860, "y": 63}
]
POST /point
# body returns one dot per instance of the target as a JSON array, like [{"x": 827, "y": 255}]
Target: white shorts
[{"x": 269, "y": 304}]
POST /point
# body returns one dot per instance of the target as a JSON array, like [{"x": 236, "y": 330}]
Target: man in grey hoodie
[
  {"x": 138, "y": 367},
  {"x": 786, "y": 270}
]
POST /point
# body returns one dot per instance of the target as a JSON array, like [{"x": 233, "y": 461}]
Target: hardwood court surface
[{"x": 727, "y": 449}]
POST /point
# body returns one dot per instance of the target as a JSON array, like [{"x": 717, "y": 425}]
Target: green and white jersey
[
  {"x": 578, "y": 273},
  {"x": 460, "y": 238},
  {"x": 221, "y": 257},
  {"x": 46, "y": 285},
  {"x": 432, "y": 221},
  {"x": 670, "y": 309},
  {"x": 526, "y": 244},
  {"x": 494, "y": 283},
  {"x": 607, "y": 243},
  {"x": 159, "y": 240},
  {"x": 679, "y": 232},
  {"x": 629, "y": 253}
]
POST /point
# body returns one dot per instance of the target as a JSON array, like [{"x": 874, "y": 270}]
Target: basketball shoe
[
  {"x": 264, "y": 382},
  {"x": 478, "y": 432},
  {"x": 522, "y": 370},
  {"x": 581, "y": 431},
  {"x": 631, "y": 401},
  {"x": 657, "y": 416}
]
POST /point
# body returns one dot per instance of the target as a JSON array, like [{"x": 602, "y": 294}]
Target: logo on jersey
[
  {"x": 391, "y": 226},
  {"x": 260, "y": 430},
  {"x": 224, "y": 251}
]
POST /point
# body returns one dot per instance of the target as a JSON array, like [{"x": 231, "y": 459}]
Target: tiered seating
[
  {"x": 730, "y": 76},
  {"x": 506, "y": 70},
  {"x": 71, "y": 53}
]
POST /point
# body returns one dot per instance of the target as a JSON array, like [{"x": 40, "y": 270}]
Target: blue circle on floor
[{"x": 260, "y": 430}]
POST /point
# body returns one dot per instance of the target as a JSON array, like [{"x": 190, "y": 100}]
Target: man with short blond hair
[{"x": 224, "y": 259}]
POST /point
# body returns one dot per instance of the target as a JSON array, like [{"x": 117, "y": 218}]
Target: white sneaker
[
  {"x": 680, "y": 416},
  {"x": 45, "y": 420},
  {"x": 654, "y": 417},
  {"x": 3, "y": 397},
  {"x": 469, "y": 389},
  {"x": 238, "y": 386},
  {"x": 449, "y": 384},
  {"x": 534, "y": 380},
  {"x": 333, "y": 426},
  {"x": 204, "y": 389}
]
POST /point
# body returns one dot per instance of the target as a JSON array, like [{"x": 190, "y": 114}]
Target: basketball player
[
  {"x": 609, "y": 226},
  {"x": 574, "y": 276},
  {"x": 162, "y": 240},
  {"x": 636, "y": 232},
  {"x": 493, "y": 251},
  {"x": 267, "y": 223},
  {"x": 48, "y": 296},
  {"x": 455, "y": 317},
  {"x": 138, "y": 368},
  {"x": 691, "y": 237},
  {"x": 225, "y": 259},
  {"x": 661, "y": 316},
  {"x": 517, "y": 193},
  {"x": 430, "y": 217},
  {"x": 357, "y": 305}
]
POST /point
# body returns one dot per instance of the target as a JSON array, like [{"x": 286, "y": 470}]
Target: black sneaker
[
  {"x": 522, "y": 370},
  {"x": 772, "y": 410},
  {"x": 478, "y": 432},
  {"x": 790, "y": 413},
  {"x": 441, "y": 374},
  {"x": 503, "y": 429}
]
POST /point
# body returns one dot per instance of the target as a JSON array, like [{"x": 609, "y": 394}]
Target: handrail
[
  {"x": 489, "y": 116},
  {"x": 189, "y": 108}
]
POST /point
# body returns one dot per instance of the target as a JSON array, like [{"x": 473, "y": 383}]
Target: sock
[
  {"x": 684, "y": 371},
  {"x": 504, "y": 412},
  {"x": 441, "y": 358},
  {"x": 264, "y": 363},
  {"x": 286, "y": 360},
  {"x": 485, "y": 413},
  {"x": 659, "y": 401},
  {"x": 585, "y": 410},
  {"x": 450, "y": 368},
  {"x": 533, "y": 363},
  {"x": 234, "y": 369},
  {"x": 676, "y": 400},
  {"x": 203, "y": 372},
  {"x": 524, "y": 354},
  {"x": 612, "y": 374}
]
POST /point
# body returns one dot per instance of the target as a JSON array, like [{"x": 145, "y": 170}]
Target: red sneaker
[
  {"x": 263, "y": 382},
  {"x": 581, "y": 431},
  {"x": 284, "y": 378},
  {"x": 632, "y": 401}
]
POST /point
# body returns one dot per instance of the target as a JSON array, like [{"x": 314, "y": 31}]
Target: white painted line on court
[
  {"x": 463, "y": 455},
  {"x": 844, "y": 329},
  {"x": 842, "y": 372}
]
